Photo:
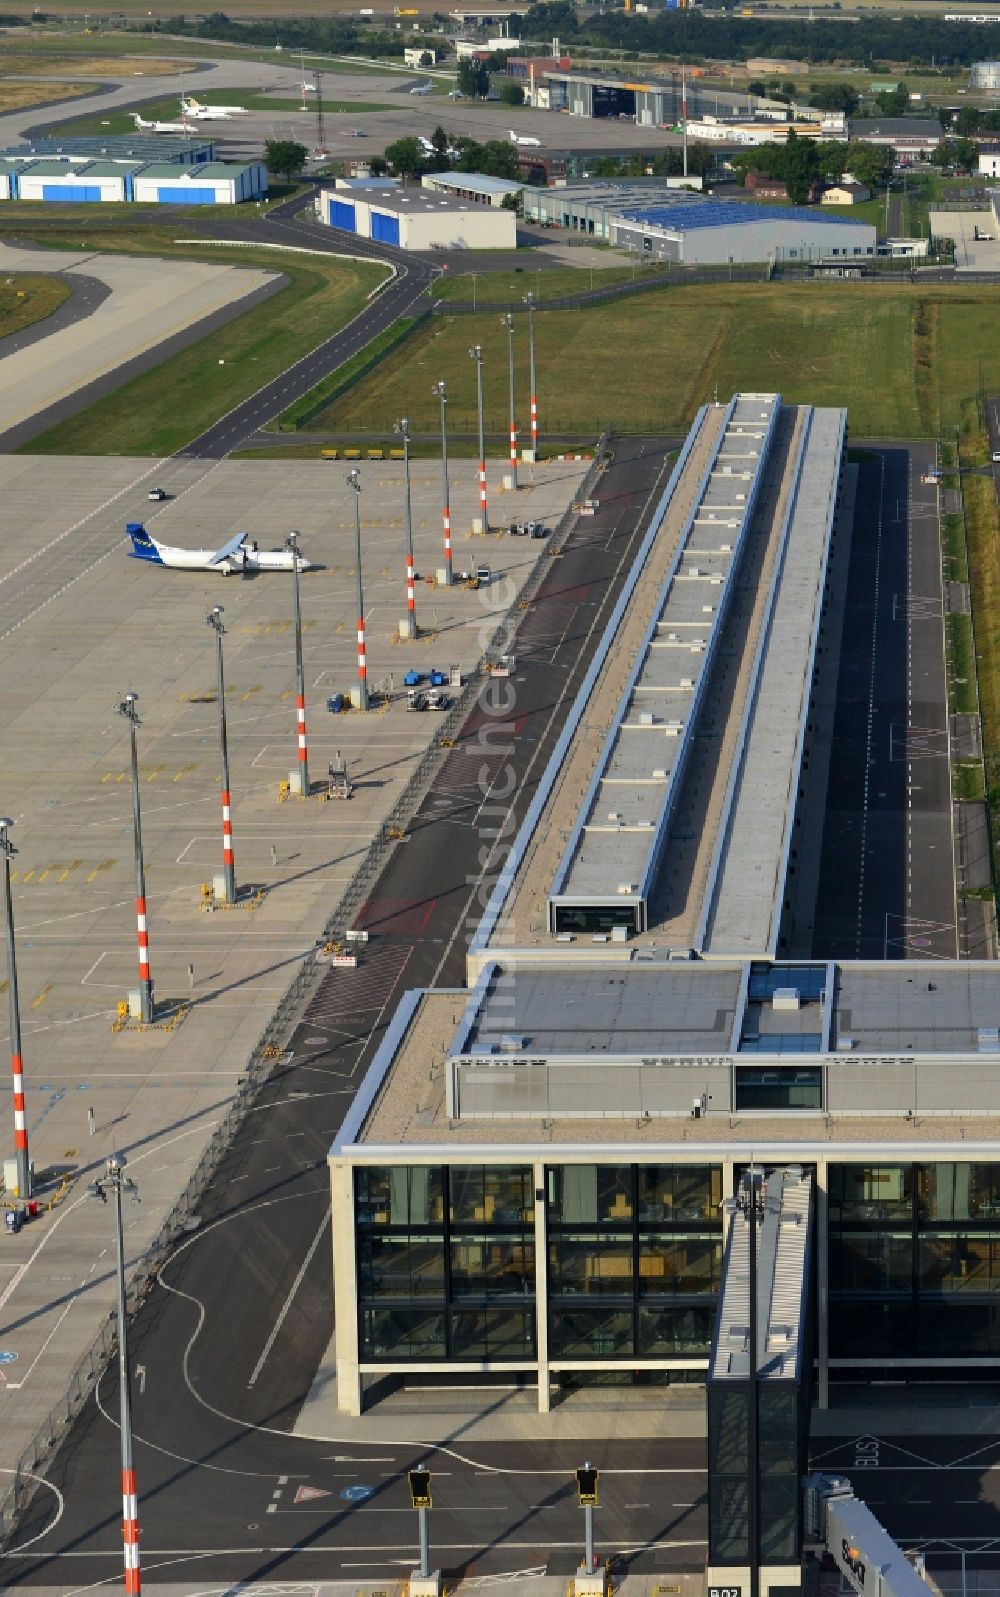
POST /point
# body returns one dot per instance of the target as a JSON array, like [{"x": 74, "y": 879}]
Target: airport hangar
[
  {"x": 530, "y": 1178},
  {"x": 157, "y": 170},
  {"x": 673, "y": 224},
  {"x": 416, "y": 219}
]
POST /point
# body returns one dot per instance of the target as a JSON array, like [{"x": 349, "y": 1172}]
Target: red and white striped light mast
[
  {"x": 214, "y": 619},
  {"x": 354, "y": 481},
  {"x": 508, "y": 322},
  {"x": 440, "y": 391},
  {"x": 16, "y": 1063},
  {"x": 529, "y": 300},
  {"x": 127, "y": 708},
  {"x": 476, "y": 354},
  {"x": 402, "y": 427},
  {"x": 119, "y": 1183},
  {"x": 292, "y": 545}
]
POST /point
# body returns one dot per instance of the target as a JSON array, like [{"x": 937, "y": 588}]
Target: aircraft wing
[{"x": 228, "y": 550}]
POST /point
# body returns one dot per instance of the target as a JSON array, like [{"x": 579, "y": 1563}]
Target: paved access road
[
  {"x": 933, "y": 1492},
  {"x": 887, "y": 883},
  {"x": 229, "y": 1340},
  {"x": 280, "y": 226}
]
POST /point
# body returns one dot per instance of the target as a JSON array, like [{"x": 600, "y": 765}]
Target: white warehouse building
[
  {"x": 714, "y": 232},
  {"x": 414, "y": 219},
  {"x": 476, "y": 187},
  {"x": 78, "y": 180}
]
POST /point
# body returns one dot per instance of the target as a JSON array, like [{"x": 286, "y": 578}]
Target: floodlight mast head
[
  {"x": 440, "y": 391},
  {"x": 353, "y": 480},
  {"x": 214, "y": 619}
]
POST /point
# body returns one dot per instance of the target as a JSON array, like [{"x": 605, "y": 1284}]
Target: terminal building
[{"x": 534, "y": 1179}]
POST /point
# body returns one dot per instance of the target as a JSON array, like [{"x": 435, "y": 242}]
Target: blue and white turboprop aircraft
[{"x": 241, "y": 555}]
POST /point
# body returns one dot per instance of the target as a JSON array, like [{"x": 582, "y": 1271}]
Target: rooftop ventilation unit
[
  {"x": 647, "y": 718},
  {"x": 613, "y": 815},
  {"x": 786, "y": 998},
  {"x": 846, "y": 1045},
  {"x": 627, "y": 887},
  {"x": 511, "y": 1043},
  {"x": 989, "y": 1040}
]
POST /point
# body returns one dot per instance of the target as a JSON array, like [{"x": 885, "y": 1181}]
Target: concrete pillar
[
  {"x": 541, "y": 1289},
  {"x": 345, "y": 1288},
  {"x": 823, "y": 1283}
]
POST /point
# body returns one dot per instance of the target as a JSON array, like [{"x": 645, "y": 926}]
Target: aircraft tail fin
[{"x": 143, "y": 546}]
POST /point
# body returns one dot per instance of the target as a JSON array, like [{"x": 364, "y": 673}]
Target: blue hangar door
[
  {"x": 385, "y": 229},
  {"x": 343, "y": 215}
]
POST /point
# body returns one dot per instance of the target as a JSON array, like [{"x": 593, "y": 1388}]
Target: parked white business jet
[
  {"x": 211, "y": 113},
  {"x": 422, "y": 88},
  {"x": 159, "y": 127},
  {"x": 523, "y": 139},
  {"x": 240, "y": 554}
]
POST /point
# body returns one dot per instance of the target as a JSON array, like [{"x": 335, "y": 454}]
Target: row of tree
[
  {"x": 407, "y": 157},
  {"x": 802, "y": 162},
  {"x": 689, "y": 35}
]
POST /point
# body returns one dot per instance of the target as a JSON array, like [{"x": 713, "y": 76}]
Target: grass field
[
  {"x": 26, "y": 298},
  {"x": 509, "y": 288},
  {"x": 983, "y": 530},
  {"x": 161, "y": 411},
  {"x": 16, "y": 96},
  {"x": 169, "y": 110},
  {"x": 69, "y": 57},
  {"x": 101, "y": 52},
  {"x": 903, "y": 359}
]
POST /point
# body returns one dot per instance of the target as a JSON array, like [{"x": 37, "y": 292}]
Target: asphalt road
[
  {"x": 939, "y": 1494},
  {"x": 887, "y": 884},
  {"x": 229, "y": 1339}
]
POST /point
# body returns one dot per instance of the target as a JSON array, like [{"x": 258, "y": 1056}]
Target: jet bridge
[{"x": 871, "y": 1562}]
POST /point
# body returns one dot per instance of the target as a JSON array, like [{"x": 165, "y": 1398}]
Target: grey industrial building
[
  {"x": 705, "y": 232},
  {"x": 533, "y": 1175},
  {"x": 593, "y": 206},
  {"x": 650, "y": 101}
]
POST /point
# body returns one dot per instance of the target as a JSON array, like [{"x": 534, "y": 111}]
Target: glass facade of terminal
[
  {"x": 446, "y": 1261},
  {"x": 914, "y": 1260},
  {"x": 631, "y": 1263}
]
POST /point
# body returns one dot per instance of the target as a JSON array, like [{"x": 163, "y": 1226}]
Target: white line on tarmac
[{"x": 279, "y": 1322}]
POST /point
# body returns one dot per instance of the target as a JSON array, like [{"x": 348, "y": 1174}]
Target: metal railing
[{"x": 271, "y": 1046}]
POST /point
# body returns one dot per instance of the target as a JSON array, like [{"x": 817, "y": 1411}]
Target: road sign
[
  {"x": 306, "y": 1494},
  {"x": 7, "y": 1357},
  {"x": 420, "y": 1487},
  {"x": 357, "y": 1494},
  {"x": 588, "y": 1485}
]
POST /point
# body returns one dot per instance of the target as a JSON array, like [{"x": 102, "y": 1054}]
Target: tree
[
  {"x": 377, "y": 166},
  {"x": 893, "y": 102},
  {"x": 426, "y": 59},
  {"x": 495, "y": 158},
  {"x": 511, "y": 93},
  {"x": 473, "y": 78},
  {"x": 285, "y": 156},
  {"x": 871, "y": 164},
  {"x": 966, "y": 154},
  {"x": 801, "y": 167},
  {"x": 758, "y": 87},
  {"x": 833, "y": 97},
  {"x": 406, "y": 157}
]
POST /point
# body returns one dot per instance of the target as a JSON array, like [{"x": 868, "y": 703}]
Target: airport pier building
[{"x": 532, "y": 1179}]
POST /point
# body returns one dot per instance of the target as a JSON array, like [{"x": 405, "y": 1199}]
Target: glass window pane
[
  {"x": 679, "y": 1193},
  {"x": 671, "y": 1263},
  {"x": 597, "y": 1264},
  {"x": 492, "y": 1334},
  {"x": 402, "y": 1334},
  {"x": 492, "y": 1266},
  {"x": 400, "y": 1266},
  {"x": 871, "y": 1262},
  {"x": 400, "y": 1195},
  {"x": 510, "y": 1191},
  {"x": 959, "y": 1191},
  {"x": 592, "y": 1333},
  {"x": 870, "y": 1192},
  {"x": 669, "y": 1332},
  {"x": 466, "y": 1187},
  {"x": 954, "y": 1264},
  {"x": 590, "y": 1194}
]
